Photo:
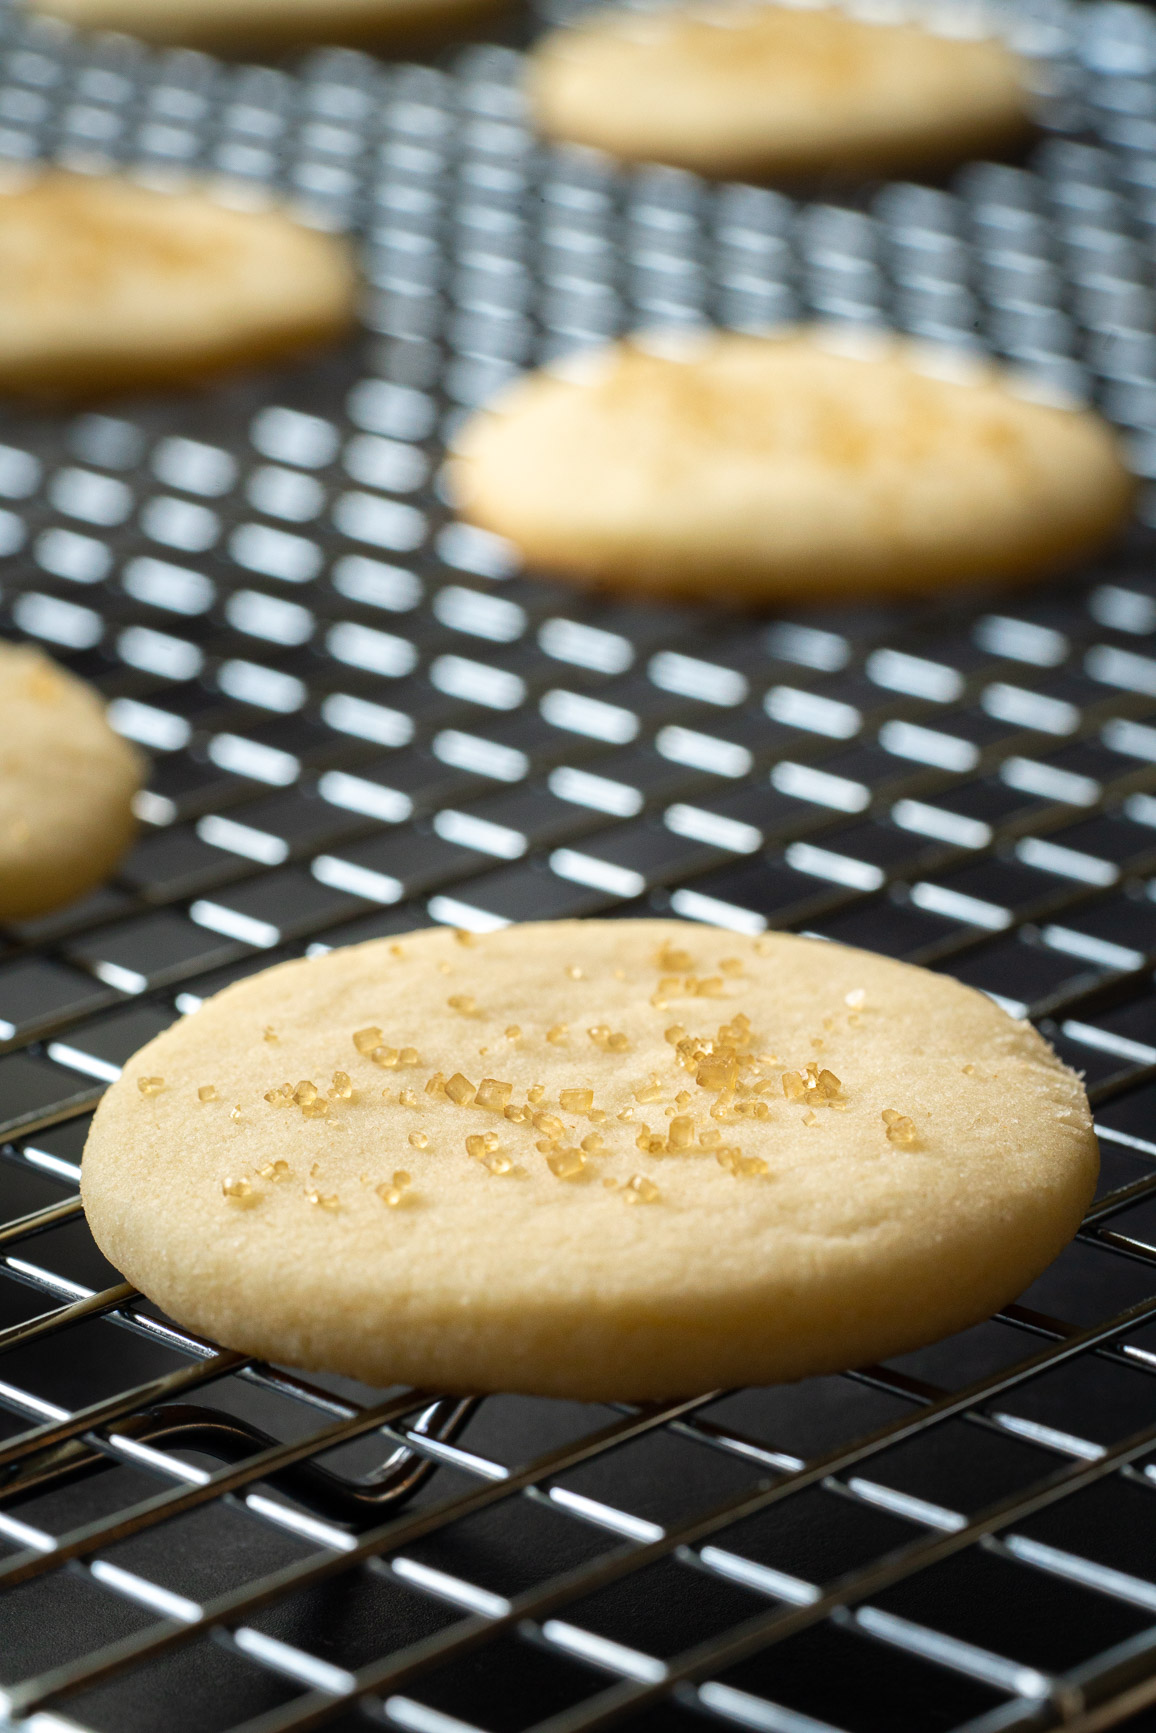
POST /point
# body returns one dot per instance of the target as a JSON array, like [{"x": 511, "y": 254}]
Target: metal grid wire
[{"x": 362, "y": 717}]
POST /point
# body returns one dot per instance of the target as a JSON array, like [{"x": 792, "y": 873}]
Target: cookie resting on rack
[
  {"x": 106, "y": 284},
  {"x": 255, "y": 26},
  {"x": 67, "y": 783},
  {"x": 759, "y": 91},
  {"x": 814, "y": 462},
  {"x": 601, "y": 1160}
]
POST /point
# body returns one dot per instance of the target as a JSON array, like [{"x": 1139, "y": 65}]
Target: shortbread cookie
[
  {"x": 66, "y": 786},
  {"x": 254, "y": 25},
  {"x": 796, "y": 464},
  {"x": 107, "y": 284},
  {"x": 763, "y": 91},
  {"x": 607, "y": 1159}
]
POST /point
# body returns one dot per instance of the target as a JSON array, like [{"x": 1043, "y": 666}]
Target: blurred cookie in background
[
  {"x": 67, "y": 783},
  {"x": 816, "y": 462},
  {"x": 773, "y": 92},
  {"x": 256, "y": 26},
  {"x": 108, "y": 285}
]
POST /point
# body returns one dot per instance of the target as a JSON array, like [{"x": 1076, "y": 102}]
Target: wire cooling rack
[{"x": 363, "y": 717}]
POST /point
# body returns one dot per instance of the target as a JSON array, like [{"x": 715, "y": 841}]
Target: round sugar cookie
[
  {"x": 106, "y": 284},
  {"x": 66, "y": 786},
  {"x": 605, "y": 1159},
  {"x": 253, "y": 26},
  {"x": 797, "y": 464},
  {"x": 764, "y": 91}
]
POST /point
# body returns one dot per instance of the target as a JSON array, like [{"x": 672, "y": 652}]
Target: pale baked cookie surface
[
  {"x": 66, "y": 786},
  {"x": 762, "y": 90},
  {"x": 785, "y": 465},
  {"x": 589, "y": 1159},
  {"x": 107, "y": 284},
  {"x": 252, "y": 25}
]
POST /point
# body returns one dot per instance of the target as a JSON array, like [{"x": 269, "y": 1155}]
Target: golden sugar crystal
[
  {"x": 753, "y": 1109},
  {"x": 723, "y": 1107},
  {"x": 593, "y": 1144},
  {"x": 599, "y": 1034},
  {"x": 647, "y": 1092},
  {"x": 235, "y": 1114},
  {"x": 674, "y": 960},
  {"x": 856, "y": 999},
  {"x": 642, "y": 1141},
  {"x": 710, "y": 988},
  {"x": 811, "y": 1117},
  {"x": 828, "y": 1085},
  {"x": 320, "y": 1200},
  {"x": 793, "y": 1086},
  {"x": 273, "y": 1096},
  {"x": 150, "y": 1085},
  {"x": 639, "y": 1189},
  {"x": 208, "y": 1092},
  {"x": 316, "y": 1109},
  {"x": 418, "y": 1140},
  {"x": 498, "y": 1164},
  {"x": 731, "y": 965},
  {"x": 270, "y": 1032},
  {"x": 596, "y": 1116},
  {"x": 342, "y": 1088},
  {"x": 515, "y": 1114},
  {"x": 717, "y": 1072},
  {"x": 305, "y": 1093},
  {"x": 409, "y": 1098},
  {"x": 709, "y": 1139},
  {"x": 681, "y": 1132},
  {"x": 391, "y": 1195},
  {"x": 240, "y": 1192},
  {"x": 558, "y": 1034},
  {"x": 618, "y": 1042},
  {"x": 276, "y": 1171},
  {"x": 459, "y": 1089},
  {"x": 365, "y": 1040},
  {"x": 683, "y": 1099},
  {"x": 566, "y": 1163},
  {"x": 726, "y": 1158},
  {"x": 493, "y": 1094},
  {"x": 626, "y": 1114},
  {"x": 576, "y": 1100},
  {"x": 674, "y": 1034},
  {"x": 514, "y": 1032},
  {"x": 402, "y": 1178},
  {"x": 969, "y": 1071},
  {"x": 749, "y": 1165},
  {"x": 475, "y": 1145},
  {"x": 900, "y": 1129},
  {"x": 464, "y": 1003},
  {"x": 548, "y": 1124},
  {"x": 436, "y": 1084},
  {"x": 535, "y": 1093},
  {"x": 408, "y": 1056},
  {"x": 386, "y": 1057}
]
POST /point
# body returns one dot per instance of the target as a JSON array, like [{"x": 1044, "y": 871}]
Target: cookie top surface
[
  {"x": 810, "y": 460},
  {"x": 608, "y": 1158},
  {"x": 104, "y": 282},
  {"x": 763, "y": 89},
  {"x": 66, "y": 785}
]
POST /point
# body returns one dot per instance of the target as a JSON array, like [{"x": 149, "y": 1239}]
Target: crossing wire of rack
[{"x": 363, "y": 717}]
